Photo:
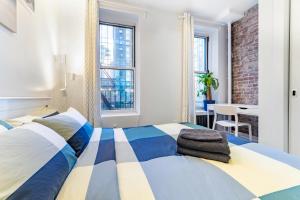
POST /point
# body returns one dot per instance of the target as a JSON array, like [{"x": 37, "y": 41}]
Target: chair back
[{"x": 225, "y": 110}]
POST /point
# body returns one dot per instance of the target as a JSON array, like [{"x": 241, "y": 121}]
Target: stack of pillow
[{"x": 36, "y": 158}]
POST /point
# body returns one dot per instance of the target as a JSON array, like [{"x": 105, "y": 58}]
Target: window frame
[
  {"x": 195, "y": 72},
  {"x": 206, "y": 52},
  {"x": 133, "y": 68}
]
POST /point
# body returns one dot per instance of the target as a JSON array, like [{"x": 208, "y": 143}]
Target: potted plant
[{"x": 209, "y": 81}]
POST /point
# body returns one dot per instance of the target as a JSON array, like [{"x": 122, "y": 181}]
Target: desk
[{"x": 252, "y": 110}]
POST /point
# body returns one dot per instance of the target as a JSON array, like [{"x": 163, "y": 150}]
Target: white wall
[
  {"x": 57, "y": 28},
  {"x": 159, "y": 71},
  {"x": 71, "y": 26},
  {"x": 273, "y": 72},
  {"x": 294, "y": 114},
  {"x": 160, "y": 67},
  {"x": 223, "y": 64},
  {"x": 26, "y": 57},
  {"x": 158, "y": 63}
]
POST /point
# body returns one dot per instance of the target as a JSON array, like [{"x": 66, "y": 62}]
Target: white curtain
[
  {"x": 188, "y": 94},
  {"x": 91, "y": 78}
]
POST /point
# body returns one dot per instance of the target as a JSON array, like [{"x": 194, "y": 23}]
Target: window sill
[
  {"x": 120, "y": 114},
  {"x": 200, "y": 112}
]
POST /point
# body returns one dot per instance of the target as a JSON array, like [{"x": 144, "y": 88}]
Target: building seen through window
[{"x": 117, "y": 73}]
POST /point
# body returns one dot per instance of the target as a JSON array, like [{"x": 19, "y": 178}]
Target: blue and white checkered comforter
[{"x": 142, "y": 163}]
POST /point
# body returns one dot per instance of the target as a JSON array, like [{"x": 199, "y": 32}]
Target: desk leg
[{"x": 207, "y": 115}]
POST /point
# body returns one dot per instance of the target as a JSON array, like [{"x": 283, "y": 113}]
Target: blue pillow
[
  {"x": 34, "y": 163},
  {"x": 4, "y": 126}
]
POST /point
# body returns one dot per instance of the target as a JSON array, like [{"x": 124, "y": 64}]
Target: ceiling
[{"x": 206, "y": 9}]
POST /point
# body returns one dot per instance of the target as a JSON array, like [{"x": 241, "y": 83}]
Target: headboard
[{"x": 11, "y": 107}]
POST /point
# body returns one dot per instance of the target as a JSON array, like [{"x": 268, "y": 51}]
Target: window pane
[
  {"x": 200, "y": 98},
  {"x": 116, "y": 46},
  {"x": 200, "y": 54},
  {"x": 117, "y": 89}
]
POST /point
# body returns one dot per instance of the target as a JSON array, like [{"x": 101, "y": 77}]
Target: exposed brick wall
[
  {"x": 245, "y": 58},
  {"x": 245, "y": 63},
  {"x": 252, "y": 120}
]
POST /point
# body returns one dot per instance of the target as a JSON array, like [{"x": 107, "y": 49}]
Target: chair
[{"x": 227, "y": 110}]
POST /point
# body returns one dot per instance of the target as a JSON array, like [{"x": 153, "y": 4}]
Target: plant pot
[{"x": 206, "y": 102}]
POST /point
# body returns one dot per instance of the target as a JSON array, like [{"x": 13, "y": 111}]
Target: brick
[{"x": 245, "y": 63}]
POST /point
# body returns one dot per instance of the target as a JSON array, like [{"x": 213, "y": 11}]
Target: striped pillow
[
  {"x": 4, "y": 126},
  {"x": 34, "y": 162},
  {"x": 72, "y": 126}
]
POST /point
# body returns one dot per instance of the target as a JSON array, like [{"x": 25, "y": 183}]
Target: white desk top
[{"x": 252, "y": 110}]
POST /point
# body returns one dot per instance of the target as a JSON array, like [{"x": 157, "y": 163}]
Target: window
[
  {"x": 200, "y": 65},
  {"x": 117, "y": 67}
]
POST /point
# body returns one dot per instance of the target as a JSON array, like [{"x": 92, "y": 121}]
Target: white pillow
[
  {"x": 22, "y": 120},
  {"x": 75, "y": 114}
]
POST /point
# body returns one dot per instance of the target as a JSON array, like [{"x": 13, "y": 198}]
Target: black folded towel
[
  {"x": 206, "y": 155},
  {"x": 203, "y": 135},
  {"x": 212, "y": 147}
]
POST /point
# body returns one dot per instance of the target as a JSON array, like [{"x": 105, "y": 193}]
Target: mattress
[{"x": 142, "y": 163}]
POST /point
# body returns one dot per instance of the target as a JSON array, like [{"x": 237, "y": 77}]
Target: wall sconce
[{"x": 61, "y": 62}]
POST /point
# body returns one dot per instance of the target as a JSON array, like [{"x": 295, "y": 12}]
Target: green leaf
[{"x": 207, "y": 80}]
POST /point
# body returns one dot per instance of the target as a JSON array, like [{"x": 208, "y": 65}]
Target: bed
[{"x": 142, "y": 163}]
